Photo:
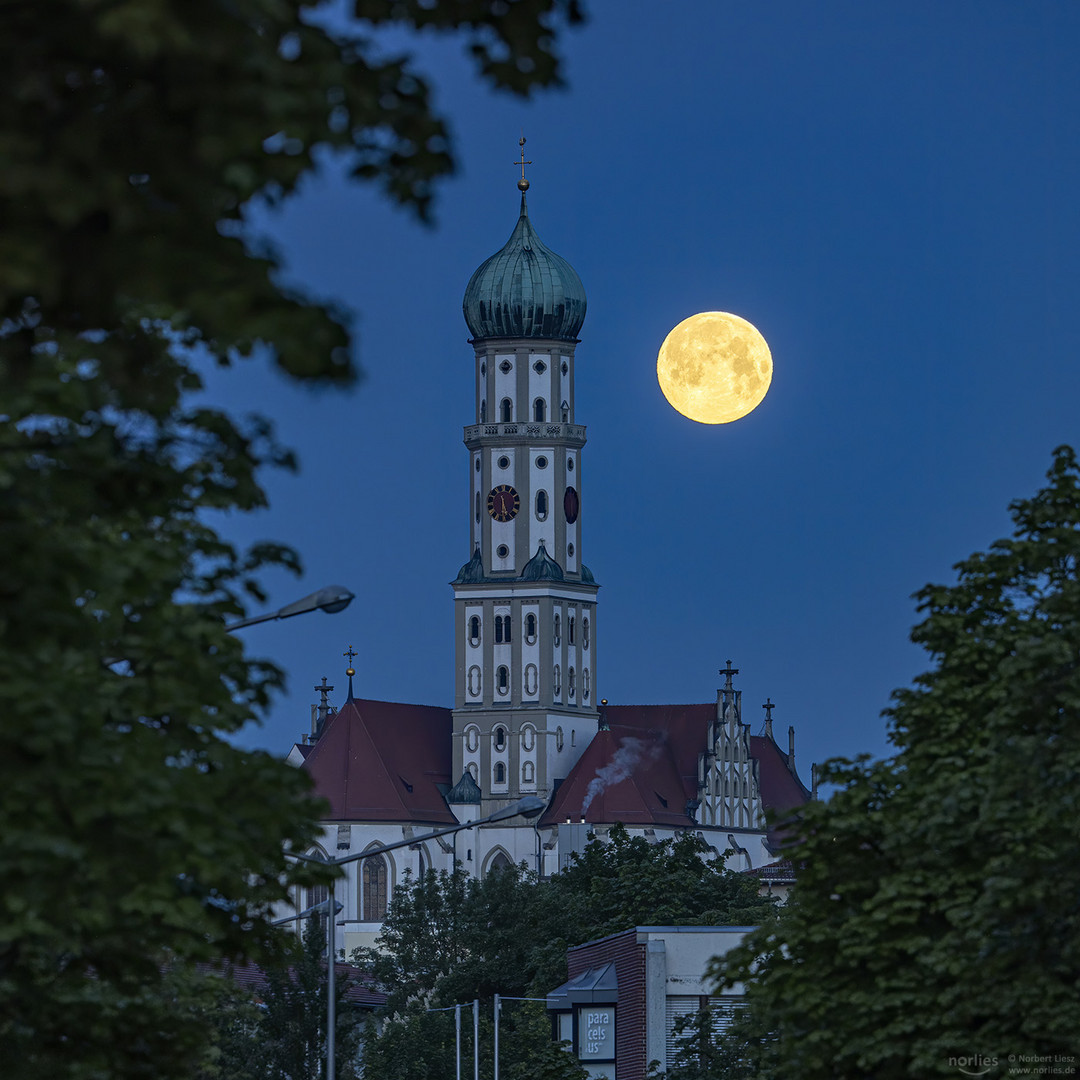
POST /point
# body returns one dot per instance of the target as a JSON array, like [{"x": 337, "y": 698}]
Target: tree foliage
[
  {"x": 137, "y": 838},
  {"x": 935, "y": 917},
  {"x": 449, "y": 938}
]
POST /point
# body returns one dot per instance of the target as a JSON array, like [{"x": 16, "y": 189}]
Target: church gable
[{"x": 384, "y": 761}]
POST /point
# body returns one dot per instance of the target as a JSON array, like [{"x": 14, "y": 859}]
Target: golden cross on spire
[
  {"x": 523, "y": 184},
  {"x": 350, "y": 654}
]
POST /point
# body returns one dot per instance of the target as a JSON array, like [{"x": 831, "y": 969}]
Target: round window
[
  {"x": 502, "y": 551},
  {"x": 570, "y": 464},
  {"x": 504, "y": 462},
  {"x": 541, "y": 462}
]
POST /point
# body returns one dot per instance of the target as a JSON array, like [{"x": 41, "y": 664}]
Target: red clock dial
[
  {"x": 571, "y": 505},
  {"x": 503, "y": 503}
]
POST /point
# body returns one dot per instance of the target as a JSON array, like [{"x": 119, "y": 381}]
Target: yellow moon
[{"x": 714, "y": 367}]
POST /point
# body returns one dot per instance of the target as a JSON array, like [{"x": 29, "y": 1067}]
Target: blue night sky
[{"x": 887, "y": 191}]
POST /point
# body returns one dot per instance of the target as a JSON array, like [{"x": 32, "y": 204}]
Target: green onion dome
[{"x": 525, "y": 291}]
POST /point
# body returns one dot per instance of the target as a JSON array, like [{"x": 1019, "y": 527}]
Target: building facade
[{"x": 525, "y": 719}]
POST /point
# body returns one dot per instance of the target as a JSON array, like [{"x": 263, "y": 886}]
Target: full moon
[{"x": 714, "y": 367}]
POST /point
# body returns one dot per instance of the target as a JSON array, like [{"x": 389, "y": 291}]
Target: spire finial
[
  {"x": 768, "y": 707},
  {"x": 727, "y": 672},
  {"x": 350, "y": 670},
  {"x": 523, "y": 184}
]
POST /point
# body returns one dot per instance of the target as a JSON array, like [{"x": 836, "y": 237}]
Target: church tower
[{"x": 525, "y": 603}]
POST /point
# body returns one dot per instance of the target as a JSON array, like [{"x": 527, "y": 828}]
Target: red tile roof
[
  {"x": 643, "y": 769},
  {"x": 383, "y": 761}
]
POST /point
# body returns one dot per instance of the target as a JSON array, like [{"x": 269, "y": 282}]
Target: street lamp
[
  {"x": 528, "y": 807},
  {"x": 330, "y": 598}
]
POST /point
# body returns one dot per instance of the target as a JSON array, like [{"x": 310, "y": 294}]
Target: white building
[{"x": 525, "y": 719}]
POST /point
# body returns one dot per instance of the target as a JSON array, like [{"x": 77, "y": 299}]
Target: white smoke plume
[{"x": 631, "y": 753}]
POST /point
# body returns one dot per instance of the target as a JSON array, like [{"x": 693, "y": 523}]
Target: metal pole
[
  {"x": 457, "y": 1025},
  {"x": 496, "y": 1037},
  {"x": 331, "y": 919},
  {"x": 476, "y": 1038}
]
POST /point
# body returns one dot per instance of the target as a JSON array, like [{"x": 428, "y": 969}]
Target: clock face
[
  {"x": 570, "y": 505},
  {"x": 503, "y": 503}
]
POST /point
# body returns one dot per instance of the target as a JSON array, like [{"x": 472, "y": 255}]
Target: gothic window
[
  {"x": 541, "y": 505},
  {"x": 585, "y": 631},
  {"x": 539, "y": 410},
  {"x": 500, "y": 738},
  {"x": 530, "y": 628},
  {"x": 507, "y": 410},
  {"x": 557, "y": 629},
  {"x": 502, "y": 680},
  {"x": 374, "y": 889},
  {"x": 317, "y": 894},
  {"x": 570, "y": 683},
  {"x": 570, "y": 629},
  {"x": 500, "y": 773},
  {"x": 528, "y": 773},
  {"x": 474, "y": 630}
]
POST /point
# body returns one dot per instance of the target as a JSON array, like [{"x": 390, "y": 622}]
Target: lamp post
[
  {"x": 529, "y": 807},
  {"x": 499, "y": 999},
  {"x": 330, "y": 598}
]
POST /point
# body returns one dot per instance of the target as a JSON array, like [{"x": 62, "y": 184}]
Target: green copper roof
[
  {"x": 464, "y": 791},
  {"x": 542, "y": 567},
  {"x": 525, "y": 291}
]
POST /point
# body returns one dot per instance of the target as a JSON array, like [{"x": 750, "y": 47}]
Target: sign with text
[{"x": 596, "y": 1032}]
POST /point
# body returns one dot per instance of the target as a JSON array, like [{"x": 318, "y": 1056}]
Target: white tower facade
[{"x": 525, "y": 603}]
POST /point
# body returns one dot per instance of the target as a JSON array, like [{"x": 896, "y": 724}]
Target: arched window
[
  {"x": 500, "y": 738},
  {"x": 506, "y": 627},
  {"x": 530, "y": 628},
  {"x": 528, "y": 773},
  {"x": 541, "y": 505},
  {"x": 483, "y": 412},
  {"x": 472, "y": 739},
  {"x": 557, "y": 680},
  {"x": 558, "y": 737},
  {"x": 530, "y": 679},
  {"x": 317, "y": 894},
  {"x": 539, "y": 410},
  {"x": 500, "y": 773},
  {"x": 474, "y": 630},
  {"x": 528, "y": 737},
  {"x": 472, "y": 770},
  {"x": 374, "y": 889},
  {"x": 474, "y": 681},
  {"x": 566, "y": 412},
  {"x": 585, "y": 631},
  {"x": 557, "y": 629},
  {"x": 570, "y": 629},
  {"x": 585, "y": 681},
  {"x": 498, "y": 629},
  {"x": 502, "y": 680},
  {"x": 507, "y": 410},
  {"x": 570, "y": 682}
]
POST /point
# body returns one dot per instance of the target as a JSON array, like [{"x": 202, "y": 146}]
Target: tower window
[
  {"x": 507, "y": 410},
  {"x": 483, "y": 412},
  {"x": 374, "y": 889},
  {"x": 585, "y": 631},
  {"x": 502, "y": 680},
  {"x": 570, "y": 550},
  {"x": 530, "y": 679},
  {"x": 500, "y": 773},
  {"x": 502, "y": 551},
  {"x": 541, "y": 462},
  {"x": 504, "y": 462},
  {"x": 558, "y": 682},
  {"x": 477, "y": 465},
  {"x": 541, "y": 505},
  {"x": 539, "y": 367},
  {"x": 527, "y": 772},
  {"x": 557, "y": 630},
  {"x": 530, "y": 628},
  {"x": 570, "y": 464},
  {"x": 558, "y": 737},
  {"x": 483, "y": 368},
  {"x": 585, "y": 681},
  {"x": 472, "y": 770},
  {"x": 477, "y": 511},
  {"x": 502, "y": 629},
  {"x": 472, "y": 739},
  {"x": 565, "y": 413},
  {"x": 474, "y": 630},
  {"x": 500, "y": 733},
  {"x": 570, "y": 629},
  {"x": 570, "y": 683},
  {"x": 539, "y": 410},
  {"x": 528, "y": 737},
  {"x": 565, "y": 369},
  {"x": 506, "y": 367}
]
